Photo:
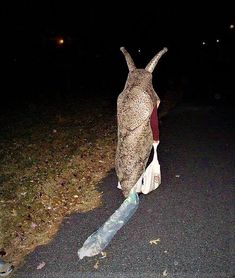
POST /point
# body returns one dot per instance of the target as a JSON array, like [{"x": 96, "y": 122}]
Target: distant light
[
  {"x": 217, "y": 40},
  {"x": 231, "y": 26},
  {"x": 203, "y": 43},
  {"x": 139, "y": 50},
  {"x": 61, "y": 41}
]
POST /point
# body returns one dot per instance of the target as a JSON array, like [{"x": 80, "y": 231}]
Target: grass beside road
[{"x": 52, "y": 157}]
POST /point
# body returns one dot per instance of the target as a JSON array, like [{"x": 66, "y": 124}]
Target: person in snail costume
[
  {"x": 137, "y": 128},
  {"x": 137, "y": 135}
]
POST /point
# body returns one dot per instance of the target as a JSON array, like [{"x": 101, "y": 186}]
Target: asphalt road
[{"x": 191, "y": 213}]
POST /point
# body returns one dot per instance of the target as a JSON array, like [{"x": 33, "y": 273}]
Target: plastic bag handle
[{"x": 155, "y": 145}]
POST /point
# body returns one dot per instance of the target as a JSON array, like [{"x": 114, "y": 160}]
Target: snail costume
[{"x": 138, "y": 130}]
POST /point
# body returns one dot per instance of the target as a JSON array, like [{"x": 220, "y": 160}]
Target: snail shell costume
[{"x": 135, "y": 105}]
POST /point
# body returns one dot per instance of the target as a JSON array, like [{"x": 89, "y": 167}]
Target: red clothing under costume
[{"x": 154, "y": 124}]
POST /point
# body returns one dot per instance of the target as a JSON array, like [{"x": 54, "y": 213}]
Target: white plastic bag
[
  {"x": 151, "y": 178},
  {"x": 97, "y": 241},
  {"x": 152, "y": 175}
]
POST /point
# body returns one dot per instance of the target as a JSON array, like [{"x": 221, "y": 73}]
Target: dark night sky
[
  {"x": 116, "y": 23},
  {"x": 95, "y": 32}
]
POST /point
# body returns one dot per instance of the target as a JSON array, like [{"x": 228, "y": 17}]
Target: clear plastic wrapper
[{"x": 97, "y": 241}]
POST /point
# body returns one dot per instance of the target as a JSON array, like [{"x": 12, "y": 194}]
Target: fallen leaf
[
  {"x": 104, "y": 255},
  {"x": 165, "y": 273},
  {"x": 33, "y": 225},
  {"x": 41, "y": 265},
  {"x": 154, "y": 241},
  {"x": 14, "y": 212},
  {"x": 96, "y": 265}
]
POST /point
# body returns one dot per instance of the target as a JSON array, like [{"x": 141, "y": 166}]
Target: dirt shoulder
[{"x": 52, "y": 157}]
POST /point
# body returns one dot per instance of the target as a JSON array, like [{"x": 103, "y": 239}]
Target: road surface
[{"x": 190, "y": 215}]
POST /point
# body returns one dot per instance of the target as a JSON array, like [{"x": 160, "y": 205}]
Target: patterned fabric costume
[{"x": 135, "y": 106}]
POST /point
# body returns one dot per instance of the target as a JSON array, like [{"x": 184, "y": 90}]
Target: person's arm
[{"x": 154, "y": 124}]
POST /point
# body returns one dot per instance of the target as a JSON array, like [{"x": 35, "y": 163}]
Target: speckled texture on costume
[{"x": 134, "y": 107}]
